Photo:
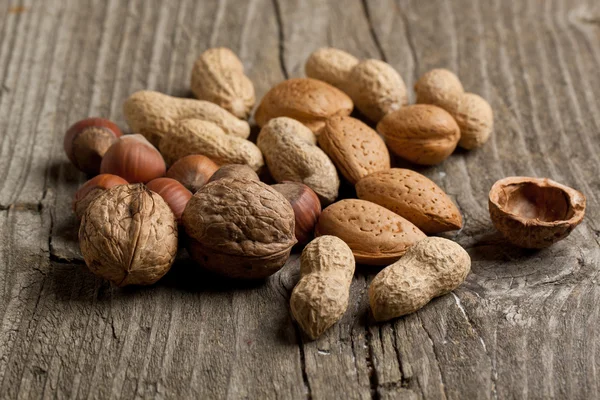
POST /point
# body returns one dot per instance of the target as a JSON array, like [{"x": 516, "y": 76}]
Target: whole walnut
[
  {"x": 239, "y": 228},
  {"x": 128, "y": 236}
]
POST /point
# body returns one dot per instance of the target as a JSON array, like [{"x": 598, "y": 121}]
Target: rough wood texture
[{"x": 522, "y": 326}]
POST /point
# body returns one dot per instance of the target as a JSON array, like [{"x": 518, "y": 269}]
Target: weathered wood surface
[{"x": 524, "y": 325}]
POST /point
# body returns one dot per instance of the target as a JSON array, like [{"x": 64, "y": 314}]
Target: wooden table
[{"x": 525, "y": 323}]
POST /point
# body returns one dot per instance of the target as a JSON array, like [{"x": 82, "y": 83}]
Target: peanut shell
[
  {"x": 376, "y": 89},
  {"x": 291, "y": 155},
  {"x": 330, "y": 65},
  {"x": 194, "y": 136},
  {"x": 414, "y": 197},
  {"x": 218, "y": 77},
  {"x": 153, "y": 115},
  {"x": 431, "y": 268}
]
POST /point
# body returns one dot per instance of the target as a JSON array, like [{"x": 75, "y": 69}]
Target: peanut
[
  {"x": 321, "y": 296},
  {"x": 218, "y": 76},
  {"x": 194, "y": 136},
  {"x": 291, "y": 155},
  {"x": 472, "y": 113},
  {"x": 431, "y": 268},
  {"x": 376, "y": 89},
  {"x": 330, "y": 65},
  {"x": 153, "y": 114}
]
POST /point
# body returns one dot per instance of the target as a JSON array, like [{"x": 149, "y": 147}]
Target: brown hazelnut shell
[
  {"x": 92, "y": 189},
  {"x": 174, "y": 193},
  {"x": 535, "y": 212},
  {"x": 192, "y": 171},
  {"x": 135, "y": 159},
  {"x": 239, "y": 228},
  {"x": 87, "y": 141},
  {"x": 306, "y": 205},
  {"x": 128, "y": 236}
]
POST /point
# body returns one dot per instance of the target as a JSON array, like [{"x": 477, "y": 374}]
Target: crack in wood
[
  {"x": 300, "y": 344},
  {"x": 281, "y": 36},
  {"x": 435, "y": 354},
  {"x": 372, "y": 31}
]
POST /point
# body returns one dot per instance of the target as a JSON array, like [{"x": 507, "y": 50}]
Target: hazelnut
[
  {"x": 239, "y": 228},
  {"x": 92, "y": 189},
  {"x": 128, "y": 236},
  {"x": 238, "y": 171},
  {"x": 192, "y": 171},
  {"x": 133, "y": 158},
  {"x": 173, "y": 192},
  {"x": 306, "y": 205},
  {"x": 535, "y": 212},
  {"x": 86, "y": 142}
]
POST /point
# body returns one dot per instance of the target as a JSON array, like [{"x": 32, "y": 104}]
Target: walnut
[
  {"x": 128, "y": 236},
  {"x": 240, "y": 228}
]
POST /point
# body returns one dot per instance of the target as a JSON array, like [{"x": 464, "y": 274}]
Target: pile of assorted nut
[{"x": 188, "y": 174}]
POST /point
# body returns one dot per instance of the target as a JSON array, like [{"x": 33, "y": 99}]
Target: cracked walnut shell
[
  {"x": 128, "y": 236},
  {"x": 239, "y": 228},
  {"x": 535, "y": 212}
]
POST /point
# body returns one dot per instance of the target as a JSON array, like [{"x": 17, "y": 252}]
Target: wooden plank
[{"x": 523, "y": 325}]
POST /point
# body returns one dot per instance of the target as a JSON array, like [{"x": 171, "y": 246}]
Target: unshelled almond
[
  {"x": 355, "y": 148},
  {"x": 153, "y": 115},
  {"x": 194, "y": 136},
  {"x": 437, "y": 87},
  {"x": 376, "y": 235},
  {"x": 309, "y": 101},
  {"x": 414, "y": 197},
  {"x": 422, "y": 133},
  {"x": 218, "y": 77}
]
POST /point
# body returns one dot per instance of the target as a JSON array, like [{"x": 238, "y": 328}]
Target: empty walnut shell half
[
  {"x": 128, "y": 236},
  {"x": 239, "y": 228},
  {"x": 535, "y": 212}
]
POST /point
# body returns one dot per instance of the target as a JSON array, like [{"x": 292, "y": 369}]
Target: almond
[
  {"x": 355, "y": 148},
  {"x": 421, "y": 133},
  {"x": 376, "y": 235},
  {"x": 413, "y": 196},
  {"x": 309, "y": 101}
]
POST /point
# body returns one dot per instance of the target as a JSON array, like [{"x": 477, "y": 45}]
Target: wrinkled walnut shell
[
  {"x": 92, "y": 189},
  {"x": 128, "y": 236},
  {"x": 535, "y": 212},
  {"x": 239, "y": 228},
  {"x": 237, "y": 171}
]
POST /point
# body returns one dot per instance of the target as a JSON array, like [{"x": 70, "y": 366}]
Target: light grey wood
[{"x": 522, "y": 326}]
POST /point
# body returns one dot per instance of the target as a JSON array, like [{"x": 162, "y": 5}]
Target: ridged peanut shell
[
  {"x": 376, "y": 89},
  {"x": 355, "y": 148},
  {"x": 431, "y": 268},
  {"x": 438, "y": 87},
  {"x": 421, "y": 133},
  {"x": 309, "y": 101},
  {"x": 376, "y": 235},
  {"x": 240, "y": 228},
  {"x": 218, "y": 77},
  {"x": 320, "y": 298},
  {"x": 153, "y": 115},
  {"x": 194, "y": 136},
  {"x": 128, "y": 235},
  {"x": 414, "y": 197},
  {"x": 292, "y": 155},
  {"x": 535, "y": 212},
  {"x": 330, "y": 65}
]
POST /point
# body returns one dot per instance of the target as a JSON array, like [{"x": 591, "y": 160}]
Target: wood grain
[{"x": 522, "y": 326}]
